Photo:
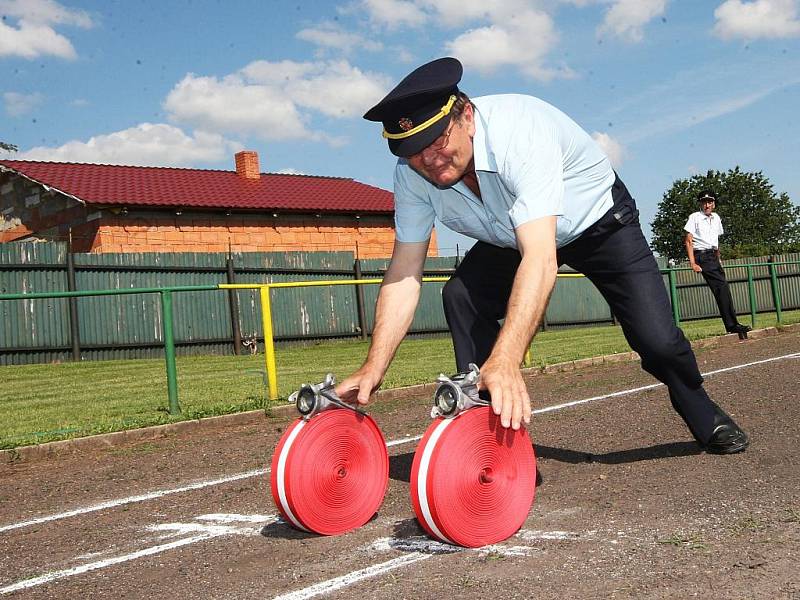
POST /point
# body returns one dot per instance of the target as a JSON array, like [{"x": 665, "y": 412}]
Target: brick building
[{"x": 109, "y": 208}]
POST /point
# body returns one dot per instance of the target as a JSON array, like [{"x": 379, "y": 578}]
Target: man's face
[
  {"x": 707, "y": 206},
  {"x": 445, "y": 161}
]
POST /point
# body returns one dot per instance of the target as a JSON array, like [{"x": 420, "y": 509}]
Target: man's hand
[
  {"x": 359, "y": 386},
  {"x": 696, "y": 268},
  {"x": 510, "y": 400}
]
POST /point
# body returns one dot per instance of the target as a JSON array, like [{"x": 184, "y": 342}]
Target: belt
[{"x": 705, "y": 251}]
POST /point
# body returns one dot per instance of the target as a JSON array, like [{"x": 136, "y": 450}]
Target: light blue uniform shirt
[{"x": 531, "y": 160}]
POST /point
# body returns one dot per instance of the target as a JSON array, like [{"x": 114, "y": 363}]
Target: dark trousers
[
  {"x": 715, "y": 278},
  {"x": 614, "y": 255}
]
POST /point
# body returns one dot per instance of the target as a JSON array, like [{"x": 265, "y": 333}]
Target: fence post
[
  {"x": 233, "y": 303},
  {"x": 673, "y": 297},
  {"x": 74, "y": 325},
  {"x": 776, "y": 291},
  {"x": 362, "y": 318},
  {"x": 169, "y": 352},
  {"x": 751, "y": 292}
]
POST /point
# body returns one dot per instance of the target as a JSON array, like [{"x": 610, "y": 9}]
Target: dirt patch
[{"x": 629, "y": 508}]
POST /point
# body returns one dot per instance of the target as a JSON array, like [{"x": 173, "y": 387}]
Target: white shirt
[
  {"x": 705, "y": 230},
  {"x": 531, "y": 161}
]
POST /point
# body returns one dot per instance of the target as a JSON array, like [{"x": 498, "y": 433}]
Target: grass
[
  {"x": 692, "y": 542},
  {"x": 42, "y": 403}
]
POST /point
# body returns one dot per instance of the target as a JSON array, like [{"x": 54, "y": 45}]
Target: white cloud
[
  {"x": 19, "y": 104},
  {"x": 275, "y": 100},
  {"x": 677, "y": 103},
  {"x": 454, "y": 13},
  {"x": 522, "y": 42},
  {"x": 332, "y": 36},
  {"x": 394, "y": 14},
  {"x": 232, "y": 105},
  {"x": 759, "y": 19},
  {"x": 34, "y": 35},
  {"x": 147, "y": 144},
  {"x": 627, "y": 18},
  {"x": 45, "y": 12},
  {"x": 612, "y": 147}
]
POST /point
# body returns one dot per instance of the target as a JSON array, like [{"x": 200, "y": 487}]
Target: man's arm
[
  {"x": 394, "y": 311},
  {"x": 533, "y": 284},
  {"x": 687, "y": 241}
]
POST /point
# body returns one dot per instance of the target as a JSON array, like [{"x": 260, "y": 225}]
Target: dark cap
[
  {"x": 417, "y": 110},
  {"x": 706, "y": 195}
]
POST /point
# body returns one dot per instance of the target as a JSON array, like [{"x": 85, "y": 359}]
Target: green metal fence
[{"x": 105, "y": 326}]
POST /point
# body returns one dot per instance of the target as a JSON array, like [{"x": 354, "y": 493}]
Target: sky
[{"x": 669, "y": 88}]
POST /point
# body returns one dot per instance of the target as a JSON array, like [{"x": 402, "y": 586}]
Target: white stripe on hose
[
  {"x": 422, "y": 478},
  {"x": 255, "y": 473},
  {"x": 282, "y": 473}
]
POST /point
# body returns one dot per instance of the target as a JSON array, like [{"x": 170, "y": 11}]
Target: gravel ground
[{"x": 629, "y": 507}]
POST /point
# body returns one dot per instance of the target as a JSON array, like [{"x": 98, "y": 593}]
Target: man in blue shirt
[{"x": 534, "y": 189}]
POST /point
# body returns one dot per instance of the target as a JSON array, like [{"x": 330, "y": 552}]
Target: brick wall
[
  {"x": 28, "y": 211},
  {"x": 198, "y": 232}
]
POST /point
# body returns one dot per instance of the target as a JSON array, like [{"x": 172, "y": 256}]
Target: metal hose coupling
[
  {"x": 456, "y": 394},
  {"x": 312, "y": 399}
]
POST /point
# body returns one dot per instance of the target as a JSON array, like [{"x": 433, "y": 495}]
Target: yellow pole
[
  {"x": 266, "y": 314},
  {"x": 269, "y": 342}
]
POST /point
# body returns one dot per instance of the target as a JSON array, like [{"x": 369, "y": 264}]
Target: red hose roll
[
  {"x": 330, "y": 473},
  {"x": 473, "y": 481}
]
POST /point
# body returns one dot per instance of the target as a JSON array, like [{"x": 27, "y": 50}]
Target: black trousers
[
  {"x": 614, "y": 255},
  {"x": 715, "y": 278}
]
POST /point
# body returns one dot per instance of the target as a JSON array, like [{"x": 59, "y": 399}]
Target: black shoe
[
  {"x": 741, "y": 330},
  {"x": 727, "y": 439}
]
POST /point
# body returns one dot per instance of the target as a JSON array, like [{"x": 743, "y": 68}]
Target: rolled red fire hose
[
  {"x": 472, "y": 480},
  {"x": 330, "y": 473}
]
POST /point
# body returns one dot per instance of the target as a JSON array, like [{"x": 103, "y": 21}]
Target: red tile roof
[{"x": 203, "y": 188}]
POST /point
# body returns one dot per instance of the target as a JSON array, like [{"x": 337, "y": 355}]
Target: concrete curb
[{"x": 109, "y": 440}]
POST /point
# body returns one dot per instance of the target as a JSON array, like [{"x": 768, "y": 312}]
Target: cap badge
[{"x": 405, "y": 123}]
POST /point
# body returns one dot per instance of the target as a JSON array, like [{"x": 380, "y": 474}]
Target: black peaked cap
[
  {"x": 421, "y": 95},
  {"x": 706, "y": 194}
]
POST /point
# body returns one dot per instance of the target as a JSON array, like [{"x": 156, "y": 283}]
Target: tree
[
  {"x": 757, "y": 221},
  {"x": 7, "y": 147}
]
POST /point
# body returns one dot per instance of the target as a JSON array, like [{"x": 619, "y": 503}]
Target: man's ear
[{"x": 468, "y": 115}]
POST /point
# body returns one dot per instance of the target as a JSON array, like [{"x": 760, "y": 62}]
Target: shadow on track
[{"x": 659, "y": 451}]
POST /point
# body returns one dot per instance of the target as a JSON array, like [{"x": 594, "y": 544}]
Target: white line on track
[
  {"x": 418, "y": 549},
  {"x": 655, "y": 385},
  {"x": 48, "y": 577},
  {"x": 331, "y": 585},
  {"x": 257, "y": 472},
  {"x": 131, "y": 499},
  {"x": 220, "y": 527}
]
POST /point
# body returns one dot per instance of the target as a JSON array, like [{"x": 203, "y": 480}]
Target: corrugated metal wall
[{"x": 130, "y": 326}]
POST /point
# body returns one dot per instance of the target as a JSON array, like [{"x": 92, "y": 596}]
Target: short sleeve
[
  {"x": 413, "y": 212},
  {"x": 720, "y": 230},
  {"x": 533, "y": 168},
  {"x": 689, "y": 224}
]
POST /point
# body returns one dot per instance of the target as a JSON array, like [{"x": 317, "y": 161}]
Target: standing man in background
[{"x": 702, "y": 246}]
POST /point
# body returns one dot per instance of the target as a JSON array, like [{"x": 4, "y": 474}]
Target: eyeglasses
[{"x": 439, "y": 143}]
